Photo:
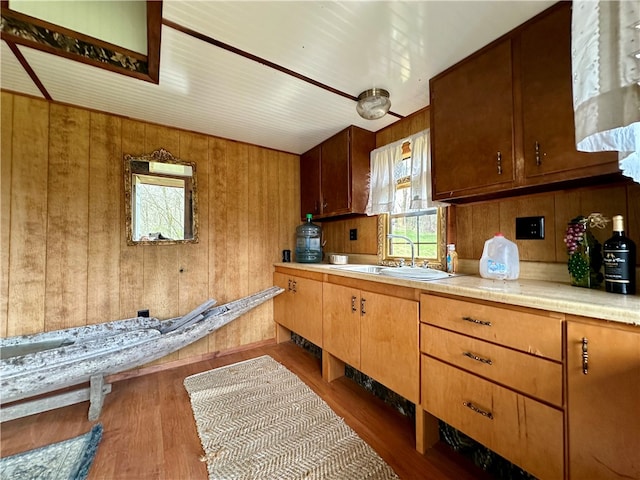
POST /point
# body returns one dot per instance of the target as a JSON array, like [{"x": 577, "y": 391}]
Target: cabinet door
[
  {"x": 603, "y": 413},
  {"x": 310, "y": 182},
  {"x": 336, "y": 174},
  {"x": 307, "y": 299},
  {"x": 282, "y": 304},
  {"x": 472, "y": 125},
  {"x": 547, "y": 103},
  {"x": 389, "y": 343},
  {"x": 341, "y": 319}
]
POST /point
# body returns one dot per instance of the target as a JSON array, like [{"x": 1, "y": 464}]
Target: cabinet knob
[
  {"x": 362, "y": 309},
  {"x": 499, "y": 160},
  {"x": 585, "y": 355},
  {"x": 353, "y": 304}
]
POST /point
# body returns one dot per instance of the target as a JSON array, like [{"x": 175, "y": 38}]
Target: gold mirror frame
[
  {"x": 160, "y": 156},
  {"x": 440, "y": 263}
]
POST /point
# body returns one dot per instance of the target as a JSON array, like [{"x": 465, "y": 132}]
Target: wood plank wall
[{"x": 64, "y": 257}]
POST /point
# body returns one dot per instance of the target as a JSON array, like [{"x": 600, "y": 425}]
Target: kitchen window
[{"x": 400, "y": 173}]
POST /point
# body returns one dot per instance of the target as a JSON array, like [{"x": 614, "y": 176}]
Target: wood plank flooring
[{"x": 150, "y": 433}]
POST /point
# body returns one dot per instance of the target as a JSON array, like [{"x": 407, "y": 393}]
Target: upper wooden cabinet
[
  {"x": 333, "y": 175},
  {"x": 502, "y": 119}
]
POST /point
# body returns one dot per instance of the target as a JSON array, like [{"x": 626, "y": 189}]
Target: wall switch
[
  {"x": 353, "y": 234},
  {"x": 143, "y": 313},
  {"x": 530, "y": 228}
]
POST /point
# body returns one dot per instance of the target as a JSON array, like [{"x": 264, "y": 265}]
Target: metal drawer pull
[
  {"x": 484, "y": 413},
  {"x": 362, "y": 311},
  {"x": 585, "y": 356},
  {"x": 477, "y": 358},
  {"x": 476, "y": 321},
  {"x": 353, "y": 304}
]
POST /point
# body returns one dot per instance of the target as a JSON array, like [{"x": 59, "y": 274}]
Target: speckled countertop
[{"x": 552, "y": 296}]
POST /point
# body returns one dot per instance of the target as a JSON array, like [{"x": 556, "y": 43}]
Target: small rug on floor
[
  {"x": 258, "y": 420},
  {"x": 66, "y": 460}
]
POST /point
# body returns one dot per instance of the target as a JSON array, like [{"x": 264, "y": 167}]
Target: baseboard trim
[{"x": 139, "y": 372}]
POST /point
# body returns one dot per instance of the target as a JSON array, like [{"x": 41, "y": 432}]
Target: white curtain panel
[
  {"x": 421, "y": 172},
  {"x": 606, "y": 79},
  {"x": 382, "y": 187}
]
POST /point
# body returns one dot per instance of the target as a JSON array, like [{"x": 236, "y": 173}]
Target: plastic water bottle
[
  {"x": 308, "y": 242},
  {"x": 500, "y": 259}
]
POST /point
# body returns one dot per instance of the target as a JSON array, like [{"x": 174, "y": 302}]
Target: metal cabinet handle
[
  {"x": 362, "y": 310},
  {"x": 353, "y": 304},
  {"x": 585, "y": 356},
  {"x": 289, "y": 285},
  {"x": 499, "y": 163},
  {"x": 537, "y": 154},
  {"x": 482, "y": 412},
  {"x": 477, "y": 358},
  {"x": 294, "y": 287},
  {"x": 476, "y": 321}
]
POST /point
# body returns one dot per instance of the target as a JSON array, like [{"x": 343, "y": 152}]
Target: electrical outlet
[
  {"x": 353, "y": 234},
  {"x": 530, "y": 228},
  {"x": 143, "y": 313}
]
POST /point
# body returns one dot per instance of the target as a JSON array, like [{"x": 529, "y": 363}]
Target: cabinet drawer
[
  {"x": 526, "y": 432},
  {"x": 529, "y": 332},
  {"x": 535, "y": 376}
]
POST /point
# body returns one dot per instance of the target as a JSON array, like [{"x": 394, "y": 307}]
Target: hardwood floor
[{"x": 150, "y": 433}]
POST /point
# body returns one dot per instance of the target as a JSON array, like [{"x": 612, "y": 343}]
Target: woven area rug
[
  {"x": 258, "y": 420},
  {"x": 66, "y": 460}
]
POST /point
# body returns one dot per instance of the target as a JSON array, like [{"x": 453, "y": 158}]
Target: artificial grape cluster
[{"x": 574, "y": 235}]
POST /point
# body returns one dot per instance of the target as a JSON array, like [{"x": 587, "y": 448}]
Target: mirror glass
[{"x": 160, "y": 199}]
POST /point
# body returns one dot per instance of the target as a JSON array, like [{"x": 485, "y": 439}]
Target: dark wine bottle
[{"x": 619, "y": 261}]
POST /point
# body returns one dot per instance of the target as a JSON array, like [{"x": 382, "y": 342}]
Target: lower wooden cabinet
[
  {"x": 526, "y": 432},
  {"x": 376, "y": 334},
  {"x": 603, "y": 379},
  {"x": 299, "y": 308}
]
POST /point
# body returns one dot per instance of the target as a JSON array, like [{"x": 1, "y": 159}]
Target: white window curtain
[
  {"x": 382, "y": 185},
  {"x": 606, "y": 79}
]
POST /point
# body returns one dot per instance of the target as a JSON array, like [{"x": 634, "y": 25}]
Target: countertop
[{"x": 552, "y": 296}]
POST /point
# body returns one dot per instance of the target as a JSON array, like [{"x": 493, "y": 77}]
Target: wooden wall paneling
[
  {"x": 67, "y": 218},
  {"x": 193, "y": 265},
  {"x": 161, "y": 268},
  {"x": 414, "y": 123},
  {"x": 333, "y": 233},
  {"x": 289, "y": 200},
  {"x": 237, "y": 240},
  {"x": 367, "y": 242},
  {"x": 218, "y": 200},
  {"x": 508, "y": 211},
  {"x": 131, "y": 256},
  {"x": 632, "y": 220},
  {"x": 566, "y": 207},
  {"x": 105, "y": 222},
  {"x": 263, "y": 245},
  {"x": 609, "y": 201},
  {"x": 485, "y": 220},
  {"x": 464, "y": 227},
  {"x": 536, "y": 205},
  {"x": 6, "y": 126}
]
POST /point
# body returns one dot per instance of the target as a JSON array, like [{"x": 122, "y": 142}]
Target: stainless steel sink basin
[
  {"x": 373, "y": 269},
  {"x": 415, "y": 273}
]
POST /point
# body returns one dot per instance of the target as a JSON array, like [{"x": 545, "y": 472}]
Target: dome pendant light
[{"x": 373, "y": 104}]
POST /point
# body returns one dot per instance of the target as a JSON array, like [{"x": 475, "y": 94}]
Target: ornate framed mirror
[{"x": 161, "y": 199}]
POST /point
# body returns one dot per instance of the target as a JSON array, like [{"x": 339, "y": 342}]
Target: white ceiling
[{"x": 348, "y": 46}]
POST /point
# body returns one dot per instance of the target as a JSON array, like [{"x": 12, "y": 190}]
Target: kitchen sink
[
  {"x": 415, "y": 273},
  {"x": 373, "y": 269}
]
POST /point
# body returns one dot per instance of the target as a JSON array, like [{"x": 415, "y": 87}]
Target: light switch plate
[{"x": 530, "y": 228}]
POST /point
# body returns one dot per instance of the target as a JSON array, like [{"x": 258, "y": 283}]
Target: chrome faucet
[{"x": 410, "y": 242}]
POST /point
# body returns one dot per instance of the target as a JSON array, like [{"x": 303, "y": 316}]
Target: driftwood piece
[{"x": 121, "y": 349}]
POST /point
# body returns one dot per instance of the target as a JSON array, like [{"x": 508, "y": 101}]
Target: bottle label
[
  {"x": 616, "y": 266},
  {"x": 496, "y": 267}
]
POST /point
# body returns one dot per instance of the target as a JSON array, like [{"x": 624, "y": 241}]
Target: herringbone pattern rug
[{"x": 257, "y": 420}]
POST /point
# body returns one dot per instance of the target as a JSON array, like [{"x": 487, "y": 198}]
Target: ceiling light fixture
[{"x": 373, "y": 104}]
